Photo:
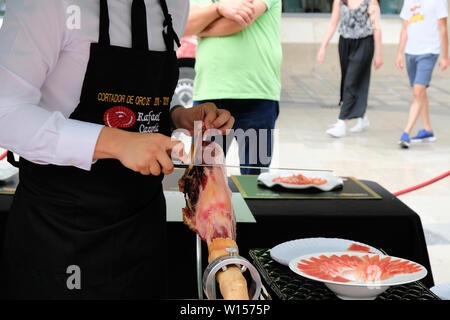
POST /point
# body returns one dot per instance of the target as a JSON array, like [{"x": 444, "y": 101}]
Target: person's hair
[{"x": 345, "y": 2}]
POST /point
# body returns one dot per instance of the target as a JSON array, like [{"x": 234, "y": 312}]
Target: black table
[{"x": 387, "y": 224}]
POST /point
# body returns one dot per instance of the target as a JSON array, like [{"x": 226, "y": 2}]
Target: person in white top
[
  {"x": 85, "y": 92},
  {"x": 423, "y": 37}
]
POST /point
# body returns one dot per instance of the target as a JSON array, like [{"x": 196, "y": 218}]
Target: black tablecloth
[{"x": 387, "y": 224}]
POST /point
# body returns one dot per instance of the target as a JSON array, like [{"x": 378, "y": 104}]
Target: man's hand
[
  {"x": 241, "y": 11},
  {"x": 399, "y": 61},
  {"x": 212, "y": 117},
  {"x": 444, "y": 63},
  {"x": 147, "y": 153}
]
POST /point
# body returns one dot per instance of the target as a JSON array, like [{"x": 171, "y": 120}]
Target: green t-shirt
[{"x": 245, "y": 65}]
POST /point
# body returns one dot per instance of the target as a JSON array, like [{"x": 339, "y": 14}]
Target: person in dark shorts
[{"x": 424, "y": 32}]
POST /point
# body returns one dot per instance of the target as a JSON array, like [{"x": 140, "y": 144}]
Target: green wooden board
[{"x": 251, "y": 188}]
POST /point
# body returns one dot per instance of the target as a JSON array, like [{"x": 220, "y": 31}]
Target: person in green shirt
[{"x": 238, "y": 63}]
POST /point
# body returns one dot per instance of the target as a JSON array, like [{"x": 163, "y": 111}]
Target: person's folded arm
[
  {"x": 32, "y": 38},
  {"x": 224, "y": 27},
  {"x": 200, "y": 18}
]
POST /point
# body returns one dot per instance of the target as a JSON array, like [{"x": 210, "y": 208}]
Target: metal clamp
[{"x": 221, "y": 263}]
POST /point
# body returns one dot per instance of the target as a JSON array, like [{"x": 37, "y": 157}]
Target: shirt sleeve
[
  {"x": 404, "y": 12},
  {"x": 271, "y": 3},
  {"x": 441, "y": 9},
  {"x": 201, "y": 3},
  {"x": 31, "y": 39}
]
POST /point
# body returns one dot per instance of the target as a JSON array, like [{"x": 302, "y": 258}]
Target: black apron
[{"x": 99, "y": 234}]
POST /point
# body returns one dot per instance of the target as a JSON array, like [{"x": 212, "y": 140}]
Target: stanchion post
[{"x": 199, "y": 266}]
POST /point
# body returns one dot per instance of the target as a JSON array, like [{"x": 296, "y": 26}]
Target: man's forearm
[
  {"x": 444, "y": 43},
  {"x": 226, "y": 26},
  {"x": 402, "y": 42},
  {"x": 200, "y": 18},
  {"x": 109, "y": 142},
  {"x": 221, "y": 27}
]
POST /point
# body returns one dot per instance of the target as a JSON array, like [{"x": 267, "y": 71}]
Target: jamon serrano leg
[{"x": 210, "y": 214}]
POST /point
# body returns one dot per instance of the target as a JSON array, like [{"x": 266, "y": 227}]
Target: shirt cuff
[
  {"x": 77, "y": 143},
  {"x": 175, "y": 102}
]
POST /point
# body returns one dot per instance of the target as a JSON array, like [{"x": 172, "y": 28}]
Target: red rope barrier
[
  {"x": 426, "y": 183},
  {"x": 3, "y": 155}
]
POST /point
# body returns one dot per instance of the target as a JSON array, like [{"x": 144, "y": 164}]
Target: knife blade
[{"x": 185, "y": 166}]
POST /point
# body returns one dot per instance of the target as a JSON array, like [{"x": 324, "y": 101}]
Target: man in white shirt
[
  {"x": 85, "y": 92},
  {"x": 424, "y": 33}
]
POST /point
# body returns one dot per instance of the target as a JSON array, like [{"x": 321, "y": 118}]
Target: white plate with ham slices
[
  {"x": 286, "y": 251},
  {"x": 355, "y": 275},
  {"x": 323, "y": 181}
]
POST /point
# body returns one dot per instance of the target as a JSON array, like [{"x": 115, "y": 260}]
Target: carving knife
[{"x": 179, "y": 165}]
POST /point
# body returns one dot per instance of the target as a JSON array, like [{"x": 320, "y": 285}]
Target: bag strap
[
  {"x": 12, "y": 161},
  {"x": 169, "y": 33}
]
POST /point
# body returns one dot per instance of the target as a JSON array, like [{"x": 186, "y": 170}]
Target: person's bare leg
[
  {"x": 419, "y": 101},
  {"x": 425, "y": 115}
]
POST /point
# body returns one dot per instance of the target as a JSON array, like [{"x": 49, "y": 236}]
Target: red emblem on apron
[{"x": 119, "y": 117}]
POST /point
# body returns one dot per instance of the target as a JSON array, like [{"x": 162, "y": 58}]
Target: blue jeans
[{"x": 255, "y": 148}]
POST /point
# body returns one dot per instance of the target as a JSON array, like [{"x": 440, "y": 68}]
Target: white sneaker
[
  {"x": 339, "y": 129},
  {"x": 362, "y": 124}
]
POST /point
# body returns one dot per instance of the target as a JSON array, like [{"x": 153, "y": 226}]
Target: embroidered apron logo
[
  {"x": 123, "y": 117},
  {"x": 150, "y": 120},
  {"x": 133, "y": 100},
  {"x": 119, "y": 117}
]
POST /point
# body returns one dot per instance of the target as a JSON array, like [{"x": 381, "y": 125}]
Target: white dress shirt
[{"x": 44, "y": 51}]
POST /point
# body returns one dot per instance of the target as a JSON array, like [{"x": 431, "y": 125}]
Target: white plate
[
  {"x": 285, "y": 252},
  {"x": 322, "y": 269},
  {"x": 332, "y": 181},
  {"x": 442, "y": 290}
]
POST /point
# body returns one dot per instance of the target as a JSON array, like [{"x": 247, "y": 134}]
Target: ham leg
[{"x": 209, "y": 213}]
